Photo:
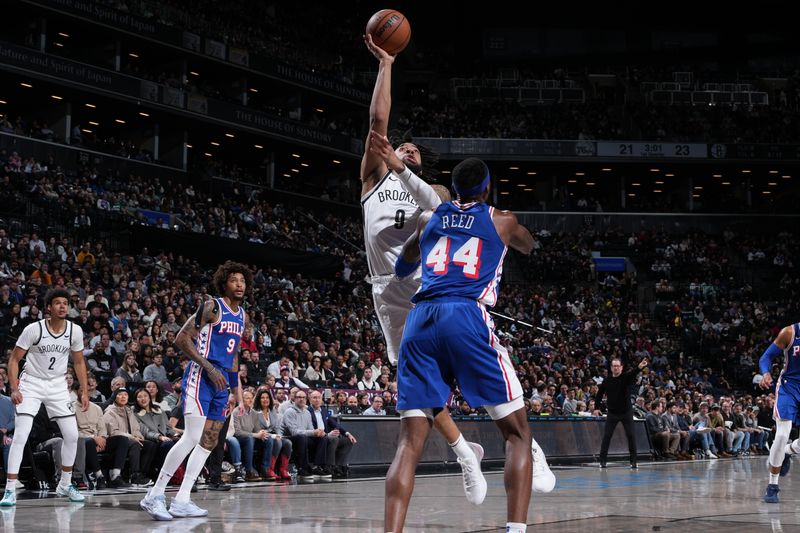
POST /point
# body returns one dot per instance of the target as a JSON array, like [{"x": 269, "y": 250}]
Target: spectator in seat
[
  {"x": 99, "y": 362},
  {"x": 314, "y": 371},
  {"x": 307, "y": 441},
  {"x": 270, "y": 420},
  {"x": 95, "y": 395},
  {"x": 570, "y": 403},
  {"x": 125, "y": 439},
  {"x": 717, "y": 423},
  {"x": 154, "y": 390},
  {"x": 156, "y": 371},
  {"x": 253, "y": 438},
  {"x": 247, "y": 342},
  {"x": 758, "y": 436},
  {"x": 129, "y": 371},
  {"x": 328, "y": 375},
  {"x": 740, "y": 426},
  {"x": 92, "y": 434},
  {"x": 340, "y": 441},
  {"x": 701, "y": 421},
  {"x": 256, "y": 369},
  {"x": 116, "y": 383},
  {"x": 281, "y": 401},
  {"x": 367, "y": 382},
  {"x": 351, "y": 407},
  {"x": 736, "y": 439},
  {"x": 389, "y": 403},
  {"x": 376, "y": 407},
  {"x": 286, "y": 380},
  {"x": 234, "y": 449},
  {"x": 339, "y": 403},
  {"x": 536, "y": 408},
  {"x": 671, "y": 417},
  {"x": 154, "y": 425},
  {"x": 665, "y": 443},
  {"x": 274, "y": 369},
  {"x": 173, "y": 397},
  {"x": 363, "y": 401}
]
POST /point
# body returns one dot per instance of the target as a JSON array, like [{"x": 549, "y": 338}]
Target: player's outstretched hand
[
  {"x": 766, "y": 381},
  {"x": 380, "y": 146},
  {"x": 84, "y": 402},
  {"x": 240, "y": 409},
  {"x": 16, "y": 397},
  {"x": 379, "y": 53}
]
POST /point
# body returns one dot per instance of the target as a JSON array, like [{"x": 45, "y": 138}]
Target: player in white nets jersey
[
  {"x": 48, "y": 344},
  {"x": 392, "y": 202}
]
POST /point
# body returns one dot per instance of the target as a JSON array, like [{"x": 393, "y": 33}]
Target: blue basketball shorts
[
  {"x": 452, "y": 340},
  {"x": 787, "y": 400},
  {"x": 200, "y": 396}
]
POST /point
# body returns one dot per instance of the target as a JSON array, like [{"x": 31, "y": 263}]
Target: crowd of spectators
[
  {"x": 79, "y": 136},
  {"x": 268, "y": 29},
  {"x": 236, "y": 213},
  {"x": 566, "y": 323},
  {"x": 442, "y": 115}
]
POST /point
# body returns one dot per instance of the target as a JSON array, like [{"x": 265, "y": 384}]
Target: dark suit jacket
[{"x": 331, "y": 422}]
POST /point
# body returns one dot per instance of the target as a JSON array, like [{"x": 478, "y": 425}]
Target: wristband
[{"x": 403, "y": 268}]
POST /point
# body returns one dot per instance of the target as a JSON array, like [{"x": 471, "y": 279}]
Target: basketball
[{"x": 390, "y": 30}]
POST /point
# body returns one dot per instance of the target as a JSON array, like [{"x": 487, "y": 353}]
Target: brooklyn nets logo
[{"x": 70, "y": 407}]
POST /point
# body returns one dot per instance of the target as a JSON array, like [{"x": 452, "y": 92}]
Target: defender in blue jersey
[
  {"x": 449, "y": 336},
  {"x": 211, "y": 339},
  {"x": 787, "y": 403}
]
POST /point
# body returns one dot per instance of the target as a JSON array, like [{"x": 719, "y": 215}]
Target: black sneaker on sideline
[
  {"x": 140, "y": 480},
  {"x": 100, "y": 483},
  {"x": 305, "y": 474},
  {"x": 321, "y": 472},
  {"x": 218, "y": 485},
  {"x": 634, "y": 466},
  {"x": 118, "y": 483}
]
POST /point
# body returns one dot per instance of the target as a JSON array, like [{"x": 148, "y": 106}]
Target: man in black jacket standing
[{"x": 617, "y": 388}]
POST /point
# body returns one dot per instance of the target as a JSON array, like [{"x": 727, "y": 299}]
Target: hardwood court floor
[{"x": 709, "y": 496}]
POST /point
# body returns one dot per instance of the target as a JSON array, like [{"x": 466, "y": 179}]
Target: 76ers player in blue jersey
[
  {"x": 211, "y": 339},
  {"x": 449, "y": 335},
  {"x": 787, "y": 403}
]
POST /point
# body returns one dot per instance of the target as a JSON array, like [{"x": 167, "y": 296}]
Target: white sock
[
  {"x": 792, "y": 448},
  {"x": 11, "y": 484},
  {"x": 176, "y": 455},
  {"x": 462, "y": 449},
  {"x": 66, "y": 478},
  {"x": 193, "y": 467},
  {"x": 516, "y": 527},
  {"x": 773, "y": 478},
  {"x": 98, "y": 474},
  {"x": 115, "y": 473}
]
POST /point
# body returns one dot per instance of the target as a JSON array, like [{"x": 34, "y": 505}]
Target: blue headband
[{"x": 473, "y": 191}]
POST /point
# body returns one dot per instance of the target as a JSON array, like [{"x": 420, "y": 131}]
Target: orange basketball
[{"x": 390, "y": 30}]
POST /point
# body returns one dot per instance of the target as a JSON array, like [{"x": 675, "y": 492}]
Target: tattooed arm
[{"x": 187, "y": 335}]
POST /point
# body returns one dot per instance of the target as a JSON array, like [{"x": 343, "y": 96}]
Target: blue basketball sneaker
[
  {"x": 786, "y": 465},
  {"x": 771, "y": 496}
]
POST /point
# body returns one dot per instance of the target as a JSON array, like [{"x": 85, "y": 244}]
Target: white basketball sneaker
[
  {"x": 474, "y": 482},
  {"x": 543, "y": 479}
]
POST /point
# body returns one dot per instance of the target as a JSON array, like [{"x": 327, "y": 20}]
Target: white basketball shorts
[{"x": 53, "y": 393}]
